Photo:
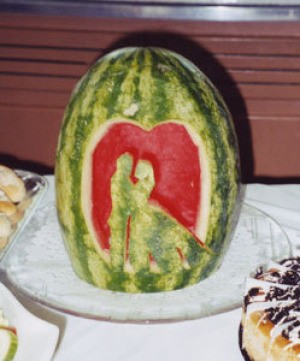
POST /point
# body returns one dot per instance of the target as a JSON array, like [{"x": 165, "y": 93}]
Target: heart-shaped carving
[{"x": 174, "y": 158}]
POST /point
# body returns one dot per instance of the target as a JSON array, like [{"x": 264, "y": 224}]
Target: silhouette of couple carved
[{"x": 151, "y": 238}]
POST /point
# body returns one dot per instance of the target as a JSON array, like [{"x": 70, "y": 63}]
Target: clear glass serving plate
[
  {"x": 39, "y": 267},
  {"x": 37, "y": 338},
  {"x": 36, "y": 186}
]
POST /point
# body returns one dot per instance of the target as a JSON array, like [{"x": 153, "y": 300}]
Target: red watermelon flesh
[{"x": 175, "y": 161}]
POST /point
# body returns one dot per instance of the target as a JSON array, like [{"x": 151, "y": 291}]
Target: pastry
[
  {"x": 270, "y": 327},
  {"x": 13, "y": 197},
  {"x": 11, "y": 184}
]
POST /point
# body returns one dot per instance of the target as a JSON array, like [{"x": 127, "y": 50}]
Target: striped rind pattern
[{"x": 162, "y": 86}]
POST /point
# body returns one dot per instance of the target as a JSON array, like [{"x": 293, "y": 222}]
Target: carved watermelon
[{"x": 147, "y": 173}]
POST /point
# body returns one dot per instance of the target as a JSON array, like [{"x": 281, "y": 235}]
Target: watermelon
[
  {"x": 8, "y": 343},
  {"x": 147, "y": 173}
]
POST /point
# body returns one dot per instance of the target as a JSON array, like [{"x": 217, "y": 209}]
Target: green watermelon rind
[
  {"x": 13, "y": 340},
  {"x": 164, "y": 86}
]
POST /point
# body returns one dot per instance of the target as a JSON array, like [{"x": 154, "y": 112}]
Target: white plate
[
  {"x": 37, "y": 339},
  {"x": 36, "y": 186},
  {"x": 40, "y": 268}
]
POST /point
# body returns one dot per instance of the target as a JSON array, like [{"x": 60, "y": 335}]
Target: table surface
[{"x": 205, "y": 339}]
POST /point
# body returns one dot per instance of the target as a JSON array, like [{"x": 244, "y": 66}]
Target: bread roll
[{"x": 11, "y": 184}]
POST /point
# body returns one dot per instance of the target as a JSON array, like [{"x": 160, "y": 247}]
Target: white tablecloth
[{"x": 209, "y": 339}]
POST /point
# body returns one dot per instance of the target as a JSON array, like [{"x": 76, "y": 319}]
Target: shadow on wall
[
  {"x": 16, "y": 163},
  {"x": 219, "y": 76},
  {"x": 205, "y": 61},
  {"x": 215, "y": 71}
]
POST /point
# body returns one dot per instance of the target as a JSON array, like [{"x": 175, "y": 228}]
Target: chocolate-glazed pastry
[{"x": 270, "y": 327}]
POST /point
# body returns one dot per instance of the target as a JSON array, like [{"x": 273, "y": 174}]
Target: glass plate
[
  {"x": 36, "y": 186},
  {"x": 37, "y": 338},
  {"x": 40, "y": 268}
]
